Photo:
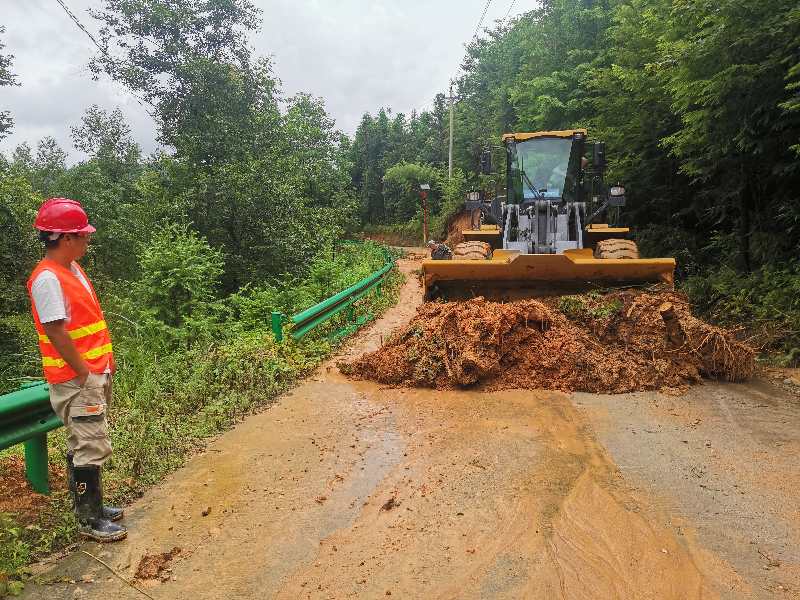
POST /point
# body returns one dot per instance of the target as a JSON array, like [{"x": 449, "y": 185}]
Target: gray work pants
[{"x": 83, "y": 411}]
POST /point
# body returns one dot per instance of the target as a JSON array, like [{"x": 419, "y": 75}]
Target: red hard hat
[{"x": 62, "y": 215}]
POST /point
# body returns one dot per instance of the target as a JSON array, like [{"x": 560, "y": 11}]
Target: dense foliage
[{"x": 6, "y": 78}]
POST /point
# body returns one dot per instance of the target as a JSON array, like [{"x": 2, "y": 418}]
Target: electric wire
[
  {"x": 508, "y": 12},
  {"x": 483, "y": 16},
  {"x": 474, "y": 37},
  {"x": 71, "y": 15}
]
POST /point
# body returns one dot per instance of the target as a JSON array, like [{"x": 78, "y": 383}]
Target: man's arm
[{"x": 57, "y": 332}]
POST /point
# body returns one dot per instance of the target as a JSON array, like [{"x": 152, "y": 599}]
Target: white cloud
[{"x": 358, "y": 55}]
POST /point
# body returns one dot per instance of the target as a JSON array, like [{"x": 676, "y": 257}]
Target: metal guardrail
[
  {"x": 25, "y": 417},
  {"x": 318, "y": 314}
]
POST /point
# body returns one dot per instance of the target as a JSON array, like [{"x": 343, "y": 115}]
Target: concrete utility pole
[
  {"x": 450, "y": 152},
  {"x": 423, "y": 193}
]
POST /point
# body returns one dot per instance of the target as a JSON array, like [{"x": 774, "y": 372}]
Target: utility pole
[
  {"x": 423, "y": 194},
  {"x": 450, "y": 152}
]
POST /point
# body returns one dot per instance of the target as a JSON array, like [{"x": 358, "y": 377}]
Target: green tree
[
  {"x": 7, "y": 78},
  {"x": 49, "y": 165},
  {"x": 190, "y": 61},
  {"x": 401, "y": 191},
  {"x": 730, "y": 62},
  {"x": 105, "y": 137},
  {"x": 631, "y": 110},
  {"x": 19, "y": 249}
]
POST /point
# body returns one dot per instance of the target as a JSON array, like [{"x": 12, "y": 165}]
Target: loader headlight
[{"x": 617, "y": 190}]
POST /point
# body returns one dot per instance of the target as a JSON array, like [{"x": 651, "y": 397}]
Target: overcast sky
[{"x": 358, "y": 55}]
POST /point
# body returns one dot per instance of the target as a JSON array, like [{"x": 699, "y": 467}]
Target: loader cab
[{"x": 544, "y": 166}]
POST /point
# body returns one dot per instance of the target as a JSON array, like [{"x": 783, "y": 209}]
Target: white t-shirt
[{"x": 48, "y": 297}]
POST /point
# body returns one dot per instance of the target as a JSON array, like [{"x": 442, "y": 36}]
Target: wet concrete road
[{"x": 350, "y": 490}]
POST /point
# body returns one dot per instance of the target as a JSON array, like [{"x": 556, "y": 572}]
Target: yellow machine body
[
  {"x": 564, "y": 133},
  {"x": 490, "y": 234},
  {"x": 513, "y": 274}
]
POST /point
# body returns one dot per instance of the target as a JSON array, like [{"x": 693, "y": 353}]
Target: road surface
[{"x": 348, "y": 489}]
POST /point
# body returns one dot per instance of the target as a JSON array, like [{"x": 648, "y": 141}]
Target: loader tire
[
  {"x": 472, "y": 251},
  {"x": 616, "y": 249}
]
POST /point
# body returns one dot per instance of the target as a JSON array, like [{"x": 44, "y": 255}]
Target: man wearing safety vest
[{"x": 77, "y": 359}]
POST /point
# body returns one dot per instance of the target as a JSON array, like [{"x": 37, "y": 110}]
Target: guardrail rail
[
  {"x": 25, "y": 417},
  {"x": 307, "y": 320}
]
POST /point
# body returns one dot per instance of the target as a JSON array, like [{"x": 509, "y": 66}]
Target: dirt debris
[
  {"x": 16, "y": 495},
  {"x": 618, "y": 342},
  {"x": 156, "y": 566},
  {"x": 390, "y": 504},
  {"x": 457, "y": 224}
]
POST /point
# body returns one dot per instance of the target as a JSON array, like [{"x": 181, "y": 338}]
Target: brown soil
[
  {"x": 615, "y": 343},
  {"x": 154, "y": 566},
  {"x": 459, "y": 222},
  {"x": 16, "y": 495}
]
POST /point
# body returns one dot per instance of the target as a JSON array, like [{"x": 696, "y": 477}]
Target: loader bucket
[{"x": 511, "y": 275}]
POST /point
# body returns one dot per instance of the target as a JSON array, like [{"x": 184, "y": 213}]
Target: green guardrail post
[
  {"x": 36, "y": 463},
  {"x": 277, "y": 326},
  {"x": 378, "y": 291}
]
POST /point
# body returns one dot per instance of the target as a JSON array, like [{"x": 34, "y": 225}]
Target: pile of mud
[
  {"x": 619, "y": 342},
  {"x": 457, "y": 224}
]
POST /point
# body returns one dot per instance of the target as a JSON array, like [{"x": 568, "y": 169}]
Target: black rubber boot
[
  {"x": 112, "y": 513},
  {"x": 89, "y": 508}
]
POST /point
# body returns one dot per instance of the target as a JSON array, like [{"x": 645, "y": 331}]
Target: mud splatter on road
[{"x": 156, "y": 566}]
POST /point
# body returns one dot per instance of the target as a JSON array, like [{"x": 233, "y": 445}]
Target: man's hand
[{"x": 57, "y": 332}]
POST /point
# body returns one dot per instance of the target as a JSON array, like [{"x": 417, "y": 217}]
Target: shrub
[
  {"x": 766, "y": 302},
  {"x": 179, "y": 274}
]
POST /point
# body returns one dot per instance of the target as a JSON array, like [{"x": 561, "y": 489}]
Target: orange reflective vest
[{"x": 87, "y": 326}]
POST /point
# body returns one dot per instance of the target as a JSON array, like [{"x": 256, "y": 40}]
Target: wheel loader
[{"x": 552, "y": 233}]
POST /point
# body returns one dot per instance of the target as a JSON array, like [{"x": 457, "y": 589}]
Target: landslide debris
[
  {"x": 457, "y": 223},
  {"x": 620, "y": 342},
  {"x": 16, "y": 495}
]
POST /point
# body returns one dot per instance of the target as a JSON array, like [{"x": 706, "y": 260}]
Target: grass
[
  {"x": 765, "y": 302},
  {"x": 589, "y": 306}
]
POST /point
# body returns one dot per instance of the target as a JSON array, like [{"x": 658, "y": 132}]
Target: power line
[
  {"x": 75, "y": 20},
  {"x": 80, "y": 26},
  {"x": 508, "y": 12},
  {"x": 483, "y": 16}
]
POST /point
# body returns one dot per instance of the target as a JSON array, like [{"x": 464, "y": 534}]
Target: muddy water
[
  {"x": 349, "y": 490},
  {"x": 499, "y": 495}
]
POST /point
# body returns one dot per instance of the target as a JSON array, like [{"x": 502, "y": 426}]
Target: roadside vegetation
[{"x": 187, "y": 369}]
